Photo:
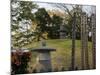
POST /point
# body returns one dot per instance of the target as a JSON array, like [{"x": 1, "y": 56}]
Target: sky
[{"x": 50, "y": 6}]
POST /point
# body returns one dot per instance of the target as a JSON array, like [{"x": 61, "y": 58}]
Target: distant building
[{"x": 62, "y": 32}]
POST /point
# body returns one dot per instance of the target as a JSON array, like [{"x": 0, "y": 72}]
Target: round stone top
[{"x": 44, "y": 49}]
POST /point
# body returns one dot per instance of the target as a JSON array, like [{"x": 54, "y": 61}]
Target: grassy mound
[{"x": 61, "y": 58}]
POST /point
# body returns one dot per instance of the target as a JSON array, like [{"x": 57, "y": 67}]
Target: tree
[
  {"x": 73, "y": 42},
  {"x": 43, "y": 22},
  {"x": 22, "y": 17},
  {"x": 56, "y": 22},
  {"x": 46, "y": 23},
  {"x": 69, "y": 16}
]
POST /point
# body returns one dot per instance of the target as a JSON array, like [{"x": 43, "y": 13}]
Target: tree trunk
[{"x": 73, "y": 42}]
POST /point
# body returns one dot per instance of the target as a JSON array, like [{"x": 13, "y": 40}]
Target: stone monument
[{"x": 44, "y": 57}]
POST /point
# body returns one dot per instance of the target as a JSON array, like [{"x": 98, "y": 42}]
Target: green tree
[
  {"x": 69, "y": 17},
  {"x": 56, "y": 22},
  {"x": 43, "y": 22},
  {"x": 21, "y": 18}
]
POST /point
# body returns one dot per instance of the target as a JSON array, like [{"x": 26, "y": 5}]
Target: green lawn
[{"x": 62, "y": 56}]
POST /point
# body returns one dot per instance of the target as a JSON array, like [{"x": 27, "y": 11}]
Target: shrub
[{"x": 19, "y": 62}]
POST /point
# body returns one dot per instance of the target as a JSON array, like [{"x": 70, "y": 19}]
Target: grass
[{"x": 62, "y": 56}]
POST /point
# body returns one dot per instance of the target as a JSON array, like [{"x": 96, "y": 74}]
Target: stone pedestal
[{"x": 44, "y": 59}]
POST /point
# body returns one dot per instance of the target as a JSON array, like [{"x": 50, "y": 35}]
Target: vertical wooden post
[
  {"x": 73, "y": 42},
  {"x": 84, "y": 41},
  {"x": 93, "y": 23}
]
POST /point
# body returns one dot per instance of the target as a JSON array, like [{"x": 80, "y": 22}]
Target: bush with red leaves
[{"x": 19, "y": 62}]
